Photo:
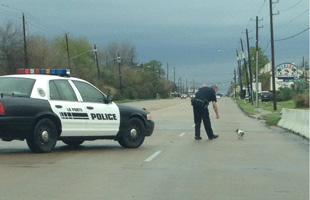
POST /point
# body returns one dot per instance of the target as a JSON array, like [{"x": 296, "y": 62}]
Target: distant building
[{"x": 285, "y": 74}]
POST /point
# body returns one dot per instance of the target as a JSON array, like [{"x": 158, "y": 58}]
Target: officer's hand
[{"x": 217, "y": 116}]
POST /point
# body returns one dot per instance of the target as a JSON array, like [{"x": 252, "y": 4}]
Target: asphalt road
[{"x": 269, "y": 163}]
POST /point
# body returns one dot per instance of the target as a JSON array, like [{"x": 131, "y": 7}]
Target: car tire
[
  {"x": 133, "y": 135},
  {"x": 44, "y": 137},
  {"x": 73, "y": 143}
]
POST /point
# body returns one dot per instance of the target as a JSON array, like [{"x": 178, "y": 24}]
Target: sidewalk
[
  {"x": 292, "y": 120},
  {"x": 261, "y": 113}
]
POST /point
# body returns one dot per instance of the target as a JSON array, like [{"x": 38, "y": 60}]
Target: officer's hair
[{"x": 214, "y": 87}]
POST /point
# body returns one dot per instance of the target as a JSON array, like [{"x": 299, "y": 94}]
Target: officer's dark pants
[{"x": 201, "y": 113}]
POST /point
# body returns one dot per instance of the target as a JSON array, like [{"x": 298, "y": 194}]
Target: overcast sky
[{"x": 198, "y": 38}]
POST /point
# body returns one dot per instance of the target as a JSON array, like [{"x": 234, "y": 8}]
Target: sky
[{"x": 197, "y": 39}]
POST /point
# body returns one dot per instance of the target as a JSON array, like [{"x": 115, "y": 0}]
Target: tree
[
  {"x": 138, "y": 81},
  {"x": 82, "y": 60},
  {"x": 125, "y": 49},
  {"x": 11, "y": 49},
  {"x": 109, "y": 60},
  {"x": 155, "y": 67},
  {"x": 262, "y": 61},
  {"x": 43, "y": 53}
]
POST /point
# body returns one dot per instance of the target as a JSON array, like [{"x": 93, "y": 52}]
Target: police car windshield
[{"x": 21, "y": 87}]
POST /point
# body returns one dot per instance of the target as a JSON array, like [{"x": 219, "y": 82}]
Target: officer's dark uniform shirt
[{"x": 206, "y": 93}]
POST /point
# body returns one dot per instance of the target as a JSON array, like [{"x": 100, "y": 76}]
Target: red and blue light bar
[{"x": 60, "y": 72}]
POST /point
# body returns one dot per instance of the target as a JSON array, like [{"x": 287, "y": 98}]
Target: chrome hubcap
[
  {"x": 45, "y": 136},
  {"x": 133, "y": 133}
]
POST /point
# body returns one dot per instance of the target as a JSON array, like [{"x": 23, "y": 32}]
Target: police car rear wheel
[
  {"x": 133, "y": 136},
  {"x": 44, "y": 137}
]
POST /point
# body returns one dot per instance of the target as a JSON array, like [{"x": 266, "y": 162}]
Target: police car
[{"x": 43, "y": 106}]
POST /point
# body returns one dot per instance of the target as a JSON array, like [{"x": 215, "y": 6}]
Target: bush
[
  {"x": 285, "y": 94},
  {"x": 127, "y": 94},
  {"x": 302, "y": 100}
]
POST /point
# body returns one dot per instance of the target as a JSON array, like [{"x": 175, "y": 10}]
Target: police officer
[{"x": 200, "y": 103}]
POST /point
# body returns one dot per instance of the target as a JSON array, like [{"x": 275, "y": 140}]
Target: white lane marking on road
[
  {"x": 182, "y": 134},
  {"x": 152, "y": 156}
]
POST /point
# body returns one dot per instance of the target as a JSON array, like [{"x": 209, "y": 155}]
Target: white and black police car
[{"x": 43, "y": 106}]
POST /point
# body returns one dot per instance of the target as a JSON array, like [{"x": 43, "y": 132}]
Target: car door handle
[
  {"x": 58, "y": 106},
  {"x": 90, "y": 108}
]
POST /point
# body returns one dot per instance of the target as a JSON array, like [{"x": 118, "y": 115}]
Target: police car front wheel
[
  {"x": 134, "y": 135},
  {"x": 44, "y": 137}
]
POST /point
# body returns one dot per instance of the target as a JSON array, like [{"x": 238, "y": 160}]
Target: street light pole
[
  {"x": 96, "y": 57},
  {"x": 239, "y": 74},
  {"x": 235, "y": 84},
  {"x": 246, "y": 69},
  {"x": 167, "y": 71},
  {"x": 25, "y": 42},
  {"x": 120, "y": 75},
  {"x": 256, "y": 66},
  {"x": 68, "y": 52},
  {"x": 250, "y": 67}
]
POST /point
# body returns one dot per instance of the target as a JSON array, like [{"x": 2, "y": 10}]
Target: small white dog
[{"x": 240, "y": 134}]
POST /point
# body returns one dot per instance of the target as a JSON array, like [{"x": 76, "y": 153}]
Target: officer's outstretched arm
[{"x": 215, "y": 108}]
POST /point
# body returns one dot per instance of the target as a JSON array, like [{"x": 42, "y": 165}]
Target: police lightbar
[{"x": 60, "y": 72}]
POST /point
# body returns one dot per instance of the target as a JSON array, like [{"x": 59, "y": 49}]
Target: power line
[
  {"x": 36, "y": 22},
  {"x": 267, "y": 46},
  {"x": 9, "y": 13},
  {"x": 44, "y": 26},
  {"x": 48, "y": 30},
  {"x": 292, "y": 35},
  {"x": 291, "y": 6},
  {"x": 294, "y": 18},
  {"x": 260, "y": 9}
]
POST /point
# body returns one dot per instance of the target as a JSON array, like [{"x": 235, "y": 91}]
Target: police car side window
[
  {"x": 61, "y": 90},
  {"x": 16, "y": 86},
  {"x": 88, "y": 92}
]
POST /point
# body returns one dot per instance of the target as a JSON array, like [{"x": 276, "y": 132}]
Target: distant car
[
  {"x": 183, "y": 96},
  {"x": 192, "y": 96},
  {"x": 219, "y": 95},
  {"x": 266, "y": 96}
]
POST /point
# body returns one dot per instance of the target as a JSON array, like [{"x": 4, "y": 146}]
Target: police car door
[
  {"x": 104, "y": 118},
  {"x": 65, "y": 104}
]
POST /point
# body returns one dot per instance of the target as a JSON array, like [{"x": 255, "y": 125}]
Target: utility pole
[
  {"x": 272, "y": 58},
  {"x": 68, "y": 52},
  {"x": 250, "y": 67},
  {"x": 245, "y": 66},
  {"x": 25, "y": 42},
  {"x": 96, "y": 57}
]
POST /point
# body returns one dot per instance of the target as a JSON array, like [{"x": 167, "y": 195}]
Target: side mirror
[{"x": 108, "y": 99}]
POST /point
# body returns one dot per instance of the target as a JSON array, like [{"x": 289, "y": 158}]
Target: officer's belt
[{"x": 199, "y": 100}]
